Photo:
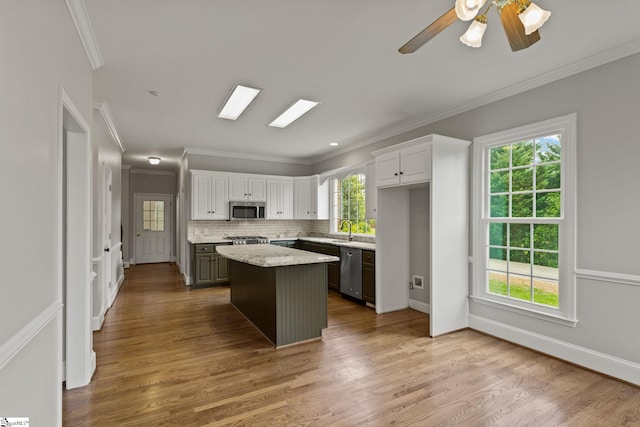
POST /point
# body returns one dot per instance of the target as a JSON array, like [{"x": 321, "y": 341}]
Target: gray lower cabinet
[
  {"x": 333, "y": 268},
  {"x": 369, "y": 277},
  {"x": 209, "y": 268}
]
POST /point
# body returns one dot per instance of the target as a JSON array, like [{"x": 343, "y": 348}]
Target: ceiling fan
[{"x": 520, "y": 20}]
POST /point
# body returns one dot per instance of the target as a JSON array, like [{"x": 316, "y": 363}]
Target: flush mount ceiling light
[
  {"x": 237, "y": 101},
  {"x": 333, "y": 144},
  {"x": 154, "y": 160},
  {"x": 521, "y": 20},
  {"x": 293, "y": 113}
]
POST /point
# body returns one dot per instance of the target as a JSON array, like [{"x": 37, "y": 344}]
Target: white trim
[
  {"x": 565, "y": 321},
  {"x": 591, "y": 359},
  {"x": 420, "y": 306},
  {"x": 152, "y": 172},
  {"x": 97, "y": 321},
  {"x": 532, "y": 83},
  {"x": 187, "y": 279},
  {"x": 125, "y": 167},
  {"x": 168, "y": 213},
  {"x": 567, "y": 125},
  {"x": 245, "y": 156},
  {"x": 102, "y": 106},
  {"x": 605, "y": 276},
  {"x": 11, "y": 347},
  {"x": 116, "y": 290},
  {"x": 80, "y": 17}
]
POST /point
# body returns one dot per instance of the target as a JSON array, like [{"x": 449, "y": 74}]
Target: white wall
[
  {"x": 226, "y": 164},
  {"x": 41, "y": 52},
  {"x": 608, "y": 230},
  {"x": 420, "y": 239}
]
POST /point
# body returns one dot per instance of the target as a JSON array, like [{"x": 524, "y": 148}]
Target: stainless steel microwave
[{"x": 246, "y": 210}]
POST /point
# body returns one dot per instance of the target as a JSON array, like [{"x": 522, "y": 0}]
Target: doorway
[
  {"x": 153, "y": 219},
  {"x": 78, "y": 360}
]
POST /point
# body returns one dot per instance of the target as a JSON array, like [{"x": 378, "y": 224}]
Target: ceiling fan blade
[
  {"x": 514, "y": 29},
  {"x": 430, "y": 32}
]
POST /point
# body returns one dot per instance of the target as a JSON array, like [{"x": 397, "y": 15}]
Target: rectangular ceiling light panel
[
  {"x": 293, "y": 113},
  {"x": 237, "y": 102}
]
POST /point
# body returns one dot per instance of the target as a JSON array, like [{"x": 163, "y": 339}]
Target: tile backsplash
[{"x": 270, "y": 229}]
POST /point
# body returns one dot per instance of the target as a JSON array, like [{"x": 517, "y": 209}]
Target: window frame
[
  {"x": 566, "y": 126},
  {"x": 334, "y": 206}
]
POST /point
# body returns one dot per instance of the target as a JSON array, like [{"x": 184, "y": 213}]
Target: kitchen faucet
[{"x": 348, "y": 221}]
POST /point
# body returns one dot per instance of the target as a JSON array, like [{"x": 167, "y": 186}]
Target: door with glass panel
[{"x": 153, "y": 228}]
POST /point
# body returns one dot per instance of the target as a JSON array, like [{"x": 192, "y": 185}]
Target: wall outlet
[{"x": 418, "y": 282}]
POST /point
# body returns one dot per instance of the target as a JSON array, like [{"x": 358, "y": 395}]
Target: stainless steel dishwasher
[{"x": 351, "y": 272}]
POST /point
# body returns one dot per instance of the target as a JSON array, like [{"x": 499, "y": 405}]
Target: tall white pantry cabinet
[{"x": 441, "y": 164}]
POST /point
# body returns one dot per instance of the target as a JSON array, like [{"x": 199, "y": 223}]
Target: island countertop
[{"x": 272, "y": 256}]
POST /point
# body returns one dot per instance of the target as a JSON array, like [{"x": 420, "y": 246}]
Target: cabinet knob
[
  {"x": 395, "y": 174},
  {"x": 401, "y": 172}
]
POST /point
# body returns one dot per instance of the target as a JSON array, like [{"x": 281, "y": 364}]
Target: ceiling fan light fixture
[
  {"x": 473, "y": 36},
  {"x": 468, "y": 9},
  {"x": 237, "y": 101},
  {"x": 293, "y": 113},
  {"x": 532, "y": 16}
]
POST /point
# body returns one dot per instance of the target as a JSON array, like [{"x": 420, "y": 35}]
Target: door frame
[
  {"x": 168, "y": 212},
  {"x": 74, "y": 259}
]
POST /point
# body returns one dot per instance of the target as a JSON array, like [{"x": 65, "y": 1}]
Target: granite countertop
[
  {"x": 272, "y": 256},
  {"x": 208, "y": 239},
  {"x": 326, "y": 240}
]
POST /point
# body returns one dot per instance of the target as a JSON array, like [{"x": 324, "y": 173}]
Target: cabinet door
[
  {"x": 204, "y": 269},
  {"x": 415, "y": 164},
  {"x": 200, "y": 196},
  {"x": 387, "y": 169},
  {"x": 287, "y": 200},
  {"x": 301, "y": 199},
  {"x": 238, "y": 188},
  {"x": 371, "y": 193},
  {"x": 219, "y": 198},
  {"x": 257, "y": 189},
  {"x": 369, "y": 283},
  {"x": 333, "y": 274},
  {"x": 221, "y": 269},
  {"x": 273, "y": 200}
]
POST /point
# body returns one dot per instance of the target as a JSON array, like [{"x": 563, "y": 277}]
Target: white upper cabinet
[
  {"x": 247, "y": 187},
  {"x": 209, "y": 196},
  {"x": 371, "y": 193},
  {"x": 279, "y": 198},
  {"x": 406, "y": 163},
  {"x": 310, "y": 198}
]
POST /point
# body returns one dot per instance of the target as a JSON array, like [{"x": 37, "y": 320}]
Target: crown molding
[
  {"x": 102, "y": 106},
  {"x": 585, "y": 64},
  {"x": 244, "y": 156},
  {"x": 80, "y": 18},
  {"x": 125, "y": 167}
]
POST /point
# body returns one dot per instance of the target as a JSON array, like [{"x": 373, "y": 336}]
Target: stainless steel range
[{"x": 248, "y": 240}]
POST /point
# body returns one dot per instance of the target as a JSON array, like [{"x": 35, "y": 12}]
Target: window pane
[
  {"x": 499, "y": 206},
  {"x": 548, "y": 149},
  {"x": 548, "y": 177},
  {"x": 498, "y": 234},
  {"x": 522, "y": 205},
  {"x": 498, "y": 259},
  {"x": 522, "y": 180},
  {"x": 520, "y": 236},
  {"x": 522, "y": 153},
  {"x": 519, "y": 261},
  {"x": 500, "y": 182},
  {"x": 499, "y": 157},
  {"x": 520, "y": 287},
  {"x": 545, "y": 236},
  {"x": 498, "y": 283},
  {"x": 548, "y": 205},
  {"x": 546, "y": 292},
  {"x": 546, "y": 265},
  {"x": 145, "y": 205}
]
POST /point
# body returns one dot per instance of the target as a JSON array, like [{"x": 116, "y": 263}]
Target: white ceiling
[{"x": 341, "y": 53}]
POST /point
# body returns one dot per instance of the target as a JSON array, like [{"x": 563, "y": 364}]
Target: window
[
  {"x": 348, "y": 205},
  {"x": 524, "y": 215},
  {"x": 153, "y": 215}
]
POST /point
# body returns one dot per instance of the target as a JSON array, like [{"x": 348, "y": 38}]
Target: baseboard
[
  {"x": 97, "y": 321},
  {"x": 609, "y": 365},
  {"x": 187, "y": 279},
  {"x": 420, "y": 306},
  {"x": 116, "y": 289},
  {"x": 125, "y": 264},
  {"x": 93, "y": 365},
  {"x": 20, "y": 339}
]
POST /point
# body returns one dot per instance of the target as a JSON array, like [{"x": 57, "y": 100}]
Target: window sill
[{"x": 561, "y": 320}]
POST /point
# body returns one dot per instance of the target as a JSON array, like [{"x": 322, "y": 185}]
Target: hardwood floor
[{"x": 167, "y": 355}]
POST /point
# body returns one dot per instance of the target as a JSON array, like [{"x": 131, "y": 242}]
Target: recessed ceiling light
[
  {"x": 333, "y": 144},
  {"x": 154, "y": 93},
  {"x": 237, "y": 102},
  {"x": 154, "y": 160},
  {"x": 293, "y": 113}
]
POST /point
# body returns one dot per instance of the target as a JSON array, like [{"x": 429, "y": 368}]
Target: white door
[
  {"x": 153, "y": 228},
  {"x": 107, "y": 179}
]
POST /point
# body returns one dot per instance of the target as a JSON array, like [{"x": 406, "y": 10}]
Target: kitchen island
[{"x": 282, "y": 291}]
